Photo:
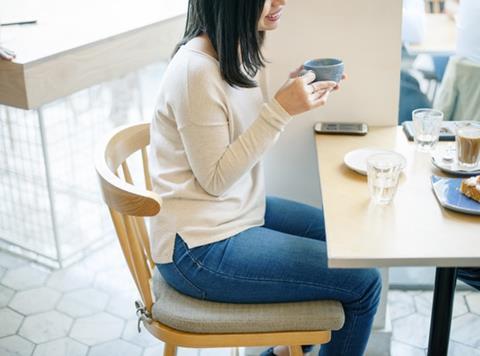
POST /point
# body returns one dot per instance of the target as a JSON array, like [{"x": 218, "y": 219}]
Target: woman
[{"x": 218, "y": 237}]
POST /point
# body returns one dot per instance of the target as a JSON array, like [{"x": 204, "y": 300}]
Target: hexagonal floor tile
[
  {"x": 15, "y": 346},
  {"x": 123, "y": 305},
  {"x": 116, "y": 347},
  {"x": 45, "y": 326},
  {"x": 71, "y": 278},
  {"x": 6, "y": 295},
  {"x": 35, "y": 300},
  {"x": 2, "y": 271},
  {"x": 97, "y": 329},
  {"x": 9, "y": 260},
  {"x": 412, "y": 330},
  {"x": 183, "y": 351},
  {"x": 465, "y": 330},
  {"x": 115, "y": 280},
  {"x": 473, "y": 301},
  {"x": 83, "y": 302},
  {"x": 61, "y": 347},
  {"x": 400, "y": 304},
  {"x": 108, "y": 257},
  {"x": 423, "y": 303},
  {"x": 10, "y": 322},
  {"x": 25, "y": 277},
  {"x": 401, "y": 349},
  {"x": 220, "y": 351},
  {"x": 154, "y": 350},
  {"x": 144, "y": 338},
  {"x": 456, "y": 349}
]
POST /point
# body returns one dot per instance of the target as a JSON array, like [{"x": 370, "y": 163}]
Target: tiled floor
[{"x": 87, "y": 309}]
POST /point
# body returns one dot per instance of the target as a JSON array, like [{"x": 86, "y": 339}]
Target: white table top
[
  {"x": 440, "y": 36},
  {"x": 413, "y": 231},
  {"x": 66, "y": 25},
  {"x": 76, "y": 44}
]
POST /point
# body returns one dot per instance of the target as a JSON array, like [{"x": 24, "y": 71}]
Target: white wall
[{"x": 366, "y": 35}]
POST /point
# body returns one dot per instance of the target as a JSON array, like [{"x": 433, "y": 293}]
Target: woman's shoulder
[
  {"x": 191, "y": 75},
  {"x": 200, "y": 66},
  {"x": 192, "y": 71},
  {"x": 194, "y": 61}
]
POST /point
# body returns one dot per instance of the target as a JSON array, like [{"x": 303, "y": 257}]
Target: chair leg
[
  {"x": 234, "y": 351},
  {"x": 295, "y": 350},
  {"x": 170, "y": 350}
]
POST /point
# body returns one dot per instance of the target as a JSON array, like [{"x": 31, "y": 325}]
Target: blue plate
[{"x": 447, "y": 191}]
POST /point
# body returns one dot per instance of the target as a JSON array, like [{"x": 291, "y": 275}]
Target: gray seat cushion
[{"x": 184, "y": 313}]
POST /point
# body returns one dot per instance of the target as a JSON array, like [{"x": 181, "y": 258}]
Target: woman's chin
[{"x": 269, "y": 26}]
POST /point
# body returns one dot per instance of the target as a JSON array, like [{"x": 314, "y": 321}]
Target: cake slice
[{"x": 471, "y": 188}]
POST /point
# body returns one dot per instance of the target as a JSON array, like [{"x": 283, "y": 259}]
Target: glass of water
[
  {"x": 427, "y": 124},
  {"x": 383, "y": 172}
]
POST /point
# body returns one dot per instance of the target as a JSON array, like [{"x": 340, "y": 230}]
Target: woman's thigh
[
  {"x": 264, "y": 265},
  {"x": 294, "y": 218}
]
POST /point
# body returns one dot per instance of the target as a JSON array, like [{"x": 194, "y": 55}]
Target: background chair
[
  {"x": 411, "y": 97},
  {"x": 459, "y": 93},
  {"x": 435, "y": 6},
  {"x": 177, "y": 319}
]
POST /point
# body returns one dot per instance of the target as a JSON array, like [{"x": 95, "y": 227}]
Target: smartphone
[{"x": 341, "y": 128}]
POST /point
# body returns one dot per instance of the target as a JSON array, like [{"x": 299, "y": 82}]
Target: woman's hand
[{"x": 300, "y": 93}]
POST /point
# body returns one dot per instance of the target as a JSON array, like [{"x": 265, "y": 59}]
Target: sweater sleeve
[{"x": 216, "y": 162}]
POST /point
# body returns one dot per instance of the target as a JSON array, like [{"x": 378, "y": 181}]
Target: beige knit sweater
[{"x": 207, "y": 140}]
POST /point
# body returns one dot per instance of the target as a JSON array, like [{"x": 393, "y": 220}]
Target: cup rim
[
  {"x": 394, "y": 158},
  {"x": 338, "y": 63},
  {"x": 468, "y": 128},
  {"x": 436, "y": 113}
]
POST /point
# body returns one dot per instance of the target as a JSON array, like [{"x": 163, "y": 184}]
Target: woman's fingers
[
  {"x": 308, "y": 77},
  {"x": 344, "y": 77},
  {"x": 319, "y": 98},
  {"x": 323, "y": 85},
  {"x": 296, "y": 72}
]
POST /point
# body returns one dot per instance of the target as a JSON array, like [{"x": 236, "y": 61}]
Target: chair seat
[{"x": 184, "y": 313}]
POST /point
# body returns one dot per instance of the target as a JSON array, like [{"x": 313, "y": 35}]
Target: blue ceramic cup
[{"x": 325, "y": 68}]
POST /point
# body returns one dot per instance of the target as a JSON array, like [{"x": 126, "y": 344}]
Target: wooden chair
[{"x": 176, "y": 319}]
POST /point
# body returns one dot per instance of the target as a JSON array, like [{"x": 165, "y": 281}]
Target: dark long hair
[{"x": 232, "y": 27}]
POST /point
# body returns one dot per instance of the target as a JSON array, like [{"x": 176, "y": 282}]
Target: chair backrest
[{"x": 128, "y": 203}]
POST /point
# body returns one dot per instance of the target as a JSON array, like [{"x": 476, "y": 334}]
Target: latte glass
[{"x": 468, "y": 146}]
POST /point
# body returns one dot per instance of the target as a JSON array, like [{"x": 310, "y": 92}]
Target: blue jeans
[
  {"x": 471, "y": 276},
  {"x": 283, "y": 261}
]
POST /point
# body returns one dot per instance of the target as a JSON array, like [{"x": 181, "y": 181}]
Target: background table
[
  {"x": 77, "y": 68},
  {"x": 413, "y": 231},
  {"x": 75, "y": 45},
  {"x": 440, "y": 36}
]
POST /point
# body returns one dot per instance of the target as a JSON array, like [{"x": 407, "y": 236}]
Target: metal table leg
[
  {"x": 443, "y": 296},
  {"x": 48, "y": 179}
]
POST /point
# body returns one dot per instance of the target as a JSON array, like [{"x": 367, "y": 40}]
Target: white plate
[
  {"x": 357, "y": 159},
  {"x": 450, "y": 165}
]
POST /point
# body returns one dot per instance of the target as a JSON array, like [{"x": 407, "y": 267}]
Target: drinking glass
[
  {"x": 383, "y": 172},
  {"x": 468, "y": 146},
  {"x": 427, "y": 124}
]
